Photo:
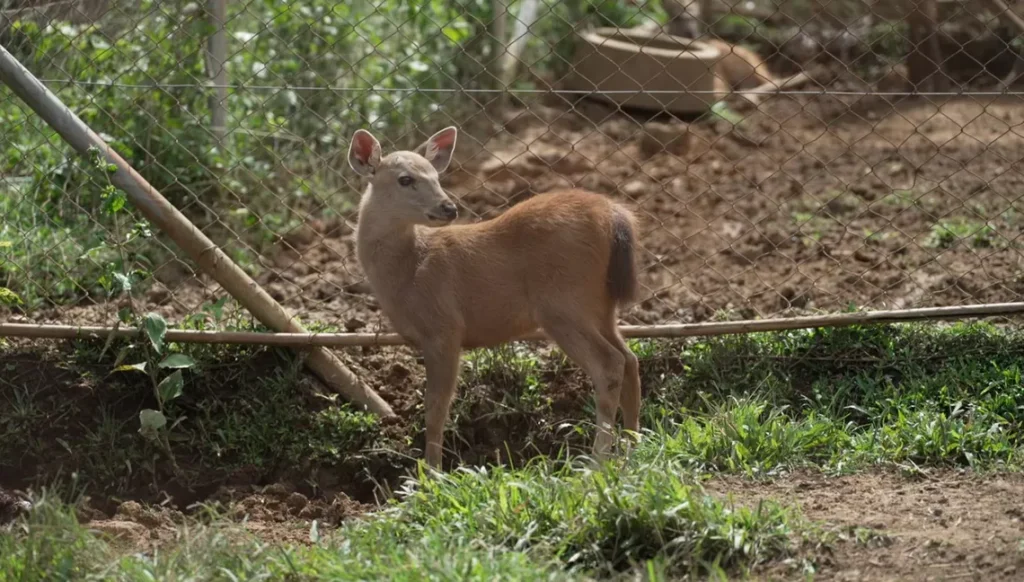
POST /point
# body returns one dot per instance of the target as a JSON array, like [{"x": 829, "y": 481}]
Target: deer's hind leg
[
  {"x": 629, "y": 398},
  {"x": 581, "y": 339}
]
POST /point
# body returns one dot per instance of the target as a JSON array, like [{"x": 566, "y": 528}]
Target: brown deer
[{"x": 561, "y": 261}]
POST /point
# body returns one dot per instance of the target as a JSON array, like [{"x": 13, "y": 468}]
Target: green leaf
[
  {"x": 170, "y": 387},
  {"x": 454, "y": 33},
  {"x": 150, "y": 422},
  {"x": 124, "y": 315},
  {"x": 140, "y": 367},
  {"x": 177, "y": 361},
  {"x": 721, "y": 109},
  {"x": 116, "y": 203},
  {"x": 155, "y": 328},
  {"x": 8, "y": 297},
  {"x": 124, "y": 281},
  {"x": 122, "y": 354}
]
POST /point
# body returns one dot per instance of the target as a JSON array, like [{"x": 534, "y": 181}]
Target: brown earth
[
  {"x": 275, "y": 513},
  {"x": 63, "y": 412},
  {"x": 940, "y": 525},
  {"x": 814, "y": 203},
  {"x": 837, "y": 205}
]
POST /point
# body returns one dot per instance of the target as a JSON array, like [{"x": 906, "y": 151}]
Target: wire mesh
[{"x": 889, "y": 178}]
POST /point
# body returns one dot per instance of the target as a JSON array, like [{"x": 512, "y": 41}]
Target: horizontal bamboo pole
[
  {"x": 208, "y": 256},
  {"x": 300, "y": 340}
]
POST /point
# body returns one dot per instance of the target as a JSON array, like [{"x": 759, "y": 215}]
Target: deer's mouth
[
  {"x": 438, "y": 219},
  {"x": 445, "y": 213}
]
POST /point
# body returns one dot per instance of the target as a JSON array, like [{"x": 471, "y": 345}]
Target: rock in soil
[
  {"x": 672, "y": 138},
  {"x": 11, "y": 507}
]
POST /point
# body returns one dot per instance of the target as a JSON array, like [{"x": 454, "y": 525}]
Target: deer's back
[{"x": 549, "y": 251}]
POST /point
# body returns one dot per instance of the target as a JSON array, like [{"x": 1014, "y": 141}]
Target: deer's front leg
[{"x": 442, "y": 364}]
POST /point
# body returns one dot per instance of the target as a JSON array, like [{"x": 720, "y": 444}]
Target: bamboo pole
[
  {"x": 300, "y": 340},
  {"x": 211, "y": 259}
]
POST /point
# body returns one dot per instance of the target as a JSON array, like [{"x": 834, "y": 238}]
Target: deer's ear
[
  {"x": 364, "y": 153},
  {"x": 438, "y": 149}
]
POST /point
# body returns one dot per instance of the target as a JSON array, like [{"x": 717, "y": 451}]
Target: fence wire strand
[{"x": 888, "y": 179}]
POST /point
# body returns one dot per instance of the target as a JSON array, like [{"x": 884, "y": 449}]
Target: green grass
[
  {"x": 947, "y": 233},
  {"x": 543, "y": 521},
  {"x": 837, "y": 399},
  {"x": 833, "y": 400}
]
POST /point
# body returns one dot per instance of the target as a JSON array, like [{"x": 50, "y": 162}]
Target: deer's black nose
[{"x": 449, "y": 210}]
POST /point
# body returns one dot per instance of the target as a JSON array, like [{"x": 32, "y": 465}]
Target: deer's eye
[{"x": 405, "y": 180}]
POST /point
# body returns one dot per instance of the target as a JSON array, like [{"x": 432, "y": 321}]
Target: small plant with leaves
[
  {"x": 119, "y": 274},
  {"x": 8, "y": 297},
  {"x": 947, "y": 233},
  {"x": 166, "y": 376},
  {"x": 211, "y": 315}
]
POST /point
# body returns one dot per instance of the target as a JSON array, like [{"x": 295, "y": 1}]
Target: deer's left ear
[
  {"x": 364, "y": 153},
  {"x": 438, "y": 149}
]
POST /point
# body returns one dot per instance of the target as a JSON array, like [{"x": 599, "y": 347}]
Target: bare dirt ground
[
  {"x": 275, "y": 513},
  {"x": 813, "y": 202},
  {"x": 944, "y": 525}
]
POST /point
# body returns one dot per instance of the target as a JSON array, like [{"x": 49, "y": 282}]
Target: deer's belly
[{"x": 496, "y": 327}]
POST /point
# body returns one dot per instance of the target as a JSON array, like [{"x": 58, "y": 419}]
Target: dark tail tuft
[{"x": 622, "y": 282}]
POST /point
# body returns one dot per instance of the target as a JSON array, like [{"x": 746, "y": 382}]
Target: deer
[{"x": 562, "y": 262}]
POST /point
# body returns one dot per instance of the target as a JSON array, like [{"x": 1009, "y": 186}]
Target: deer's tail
[{"x": 622, "y": 275}]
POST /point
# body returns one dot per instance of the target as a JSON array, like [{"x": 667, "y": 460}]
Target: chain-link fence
[{"x": 884, "y": 174}]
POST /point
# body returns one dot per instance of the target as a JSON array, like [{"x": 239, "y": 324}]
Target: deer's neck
[{"x": 388, "y": 250}]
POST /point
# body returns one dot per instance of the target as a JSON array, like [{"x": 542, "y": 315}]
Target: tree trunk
[{"x": 924, "y": 63}]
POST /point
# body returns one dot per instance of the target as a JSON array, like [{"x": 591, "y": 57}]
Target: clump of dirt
[
  {"x": 281, "y": 502},
  {"x": 276, "y": 513},
  {"x": 134, "y": 526}
]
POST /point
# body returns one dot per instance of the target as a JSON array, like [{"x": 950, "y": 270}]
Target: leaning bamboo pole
[
  {"x": 300, "y": 340},
  {"x": 210, "y": 258}
]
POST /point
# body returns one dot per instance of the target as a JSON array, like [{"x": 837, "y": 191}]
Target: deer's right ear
[{"x": 364, "y": 153}]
